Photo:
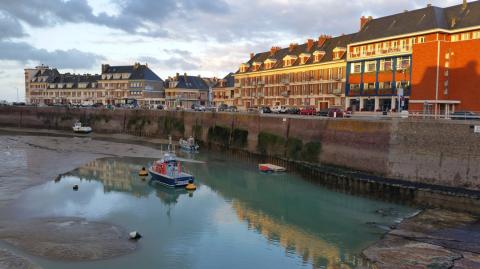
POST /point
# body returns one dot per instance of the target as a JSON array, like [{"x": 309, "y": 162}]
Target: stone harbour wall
[{"x": 439, "y": 152}]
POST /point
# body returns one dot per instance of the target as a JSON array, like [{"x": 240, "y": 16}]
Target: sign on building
[{"x": 476, "y": 129}]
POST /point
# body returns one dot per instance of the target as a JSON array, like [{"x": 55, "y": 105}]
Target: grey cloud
[
  {"x": 72, "y": 59},
  {"x": 9, "y": 26}
]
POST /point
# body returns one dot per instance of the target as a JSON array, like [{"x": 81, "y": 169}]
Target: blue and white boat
[{"x": 167, "y": 171}]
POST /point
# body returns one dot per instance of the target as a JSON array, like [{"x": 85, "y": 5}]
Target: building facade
[
  {"x": 311, "y": 74},
  {"x": 224, "y": 91},
  {"x": 131, "y": 84},
  {"x": 183, "y": 91},
  {"x": 424, "y": 60},
  {"x": 116, "y": 85}
]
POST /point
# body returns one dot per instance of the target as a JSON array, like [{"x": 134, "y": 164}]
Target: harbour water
[{"x": 237, "y": 218}]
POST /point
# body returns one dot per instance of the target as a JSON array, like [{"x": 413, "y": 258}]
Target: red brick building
[{"x": 431, "y": 55}]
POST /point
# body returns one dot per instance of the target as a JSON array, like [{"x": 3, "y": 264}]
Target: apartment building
[
  {"x": 184, "y": 91},
  {"x": 135, "y": 84},
  {"x": 310, "y": 74},
  {"x": 224, "y": 91},
  {"x": 131, "y": 84},
  {"x": 424, "y": 60}
]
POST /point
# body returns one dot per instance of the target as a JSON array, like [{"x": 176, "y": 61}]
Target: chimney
[
  {"x": 177, "y": 76},
  {"x": 453, "y": 22},
  {"x": 292, "y": 47},
  {"x": 464, "y": 5},
  {"x": 309, "y": 44},
  {"x": 105, "y": 67},
  {"x": 322, "y": 39},
  {"x": 274, "y": 50},
  {"x": 185, "y": 75},
  {"x": 252, "y": 55},
  {"x": 364, "y": 20}
]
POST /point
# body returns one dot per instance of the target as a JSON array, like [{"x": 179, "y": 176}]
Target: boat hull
[{"x": 179, "y": 181}]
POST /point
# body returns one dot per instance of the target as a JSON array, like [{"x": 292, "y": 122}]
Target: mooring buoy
[
  {"x": 75, "y": 187},
  {"x": 143, "y": 172},
  {"x": 135, "y": 235}
]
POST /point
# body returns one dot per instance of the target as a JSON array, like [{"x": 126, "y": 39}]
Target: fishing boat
[
  {"x": 78, "y": 128},
  {"x": 189, "y": 144},
  {"x": 167, "y": 171}
]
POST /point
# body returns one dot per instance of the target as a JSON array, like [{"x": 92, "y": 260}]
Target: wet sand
[{"x": 27, "y": 161}]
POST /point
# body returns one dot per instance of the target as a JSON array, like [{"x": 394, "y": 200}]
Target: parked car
[
  {"x": 464, "y": 115},
  {"x": 335, "y": 112},
  {"x": 198, "y": 107},
  {"x": 323, "y": 113},
  {"x": 265, "y": 110},
  {"x": 293, "y": 111},
  {"x": 232, "y": 109},
  {"x": 279, "y": 109},
  {"x": 97, "y": 105},
  {"x": 223, "y": 107},
  {"x": 160, "y": 107},
  {"x": 308, "y": 111},
  {"x": 18, "y": 103}
]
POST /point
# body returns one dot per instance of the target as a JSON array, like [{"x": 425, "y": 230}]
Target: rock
[
  {"x": 399, "y": 253},
  {"x": 70, "y": 239},
  {"x": 432, "y": 239},
  {"x": 9, "y": 260}
]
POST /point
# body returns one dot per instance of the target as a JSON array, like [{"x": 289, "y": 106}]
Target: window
[
  {"x": 476, "y": 35},
  {"x": 364, "y": 50},
  {"x": 454, "y": 38},
  {"x": 354, "y": 86},
  {"x": 421, "y": 39},
  {"x": 386, "y": 65},
  {"x": 369, "y": 86},
  {"x": 403, "y": 63},
  {"x": 371, "y": 66},
  {"x": 466, "y": 36},
  {"x": 370, "y": 48},
  {"x": 357, "y": 68},
  {"x": 394, "y": 44},
  {"x": 385, "y": 85}
]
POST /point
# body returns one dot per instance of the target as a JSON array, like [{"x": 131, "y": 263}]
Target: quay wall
[{"x": 439, "y": 152}]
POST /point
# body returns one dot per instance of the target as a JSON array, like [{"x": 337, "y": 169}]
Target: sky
[{"x": 198, "y": 37}]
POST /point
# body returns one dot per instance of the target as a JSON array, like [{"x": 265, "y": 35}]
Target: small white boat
[
  {"x": 189, "y": 145},
  {"x": 78, "y": 128},
  {"x": 271, "y": 168}
]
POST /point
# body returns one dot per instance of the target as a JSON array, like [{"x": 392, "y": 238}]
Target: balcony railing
[{"x": 380, "y": 52}]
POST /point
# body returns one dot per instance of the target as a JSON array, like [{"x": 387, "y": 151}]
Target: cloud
[
  {"x": 174, "y": 62},
  {"x": 10, "y": 26},
  {"x": 72, "y": 59}
]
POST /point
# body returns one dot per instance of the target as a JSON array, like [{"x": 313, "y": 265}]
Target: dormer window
[
  {"x": 270, "y": 63},
  {"x": 244, "y": 68},
  {"x": 304, "y": 58},
  {"x": 256, "y": 66},
  {"x": 318, "y": 55},
  {"x": 289, "y": 60},
  {"x": 338, "y": 53}
]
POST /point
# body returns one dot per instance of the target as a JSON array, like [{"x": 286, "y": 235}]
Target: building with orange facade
[
  {"x": 424, "y": 60},
  {"x": 310, "y": 74}
]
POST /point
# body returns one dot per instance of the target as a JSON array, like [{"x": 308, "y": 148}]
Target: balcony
[{"x": 380, "y": 52}]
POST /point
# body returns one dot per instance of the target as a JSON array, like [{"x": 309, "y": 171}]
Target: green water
[{"x": 237, "y": 218}]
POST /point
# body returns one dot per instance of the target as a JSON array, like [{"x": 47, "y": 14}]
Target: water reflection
[{"x": 244, "y": 218}]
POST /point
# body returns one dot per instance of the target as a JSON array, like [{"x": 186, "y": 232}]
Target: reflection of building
[
  {"x": 310, "y": 74},
  {"x": 184, "y": 91},
  {"x": 115, "y": 175},
  {"x": 310, "y": 247},
  {"x": 223, "y": 92}
]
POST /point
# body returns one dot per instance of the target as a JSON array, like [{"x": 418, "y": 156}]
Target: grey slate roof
[
  {"x": 139, "y": 72},
  {"x": 419, "y": 20},
  {"x": 228, "y": 82},
  {"x": 328, "y": 47},
  {"x": 188, "y": 82}
]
